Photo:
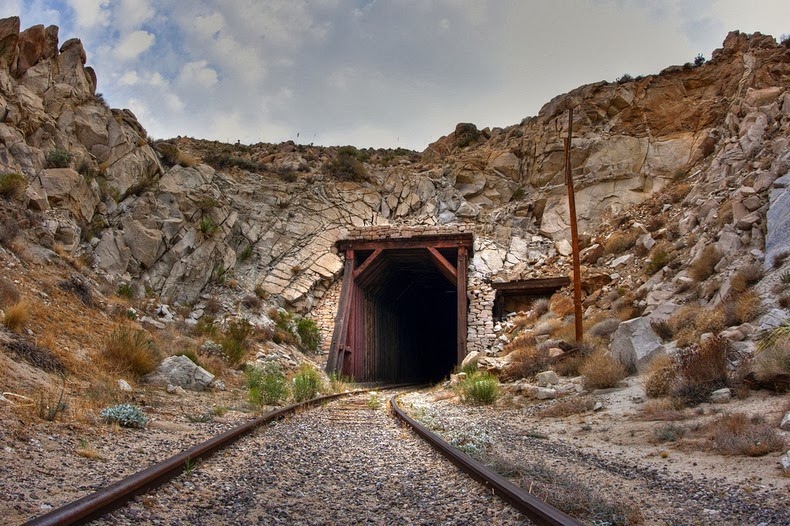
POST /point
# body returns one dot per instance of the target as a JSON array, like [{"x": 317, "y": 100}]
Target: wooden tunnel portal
[{"x": 402, "y": 314}]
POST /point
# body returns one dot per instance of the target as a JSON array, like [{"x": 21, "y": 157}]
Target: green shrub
[
  {"x": 699, "y": 60},
  {"x": 12, "y": 185},
  {"x": 125, "y": 415},
  {"x": 346, "y": 165},
  {"x": 308, "y": 333},
  {"x": 657, "y": 261},
  {"x": 207, "y": 226},
  {"x": 234, "y": 341},
  {"x": 480, "y": 388},
  {"x": 266, "y": 385},
  {"x": 124, "y": 290},
  {"x": 306, "y": 383},
  {"x": 59, "y": 158}
]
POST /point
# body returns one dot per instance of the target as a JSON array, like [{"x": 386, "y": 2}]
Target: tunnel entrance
[{"x": 402, "y": 310}]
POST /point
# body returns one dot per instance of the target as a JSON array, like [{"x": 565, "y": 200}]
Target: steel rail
[
  {"x": 117, "y": 494},
  {"x": 531, "y": 506}
]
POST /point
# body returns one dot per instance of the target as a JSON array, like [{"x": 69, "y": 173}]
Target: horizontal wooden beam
[
  {"x": 528, "y": 285},
  {"x": 437, "y": 241},
  {"x": 446, "y": 268},
  {"x": 368, "y": 262}
]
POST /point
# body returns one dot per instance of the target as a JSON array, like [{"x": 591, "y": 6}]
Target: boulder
[
  {"x": 182, "y": 372},
  {"x": 777, "y": 240},
  {"x": 9, "y": 37},
  {"x": 634, "y": 344},
  {"x": 721, "y": 396},
  {"x": 547, "y": 378},
  {"x": 470, "y": 358},
  {"x": 785, "y": 424},
  {"x": 67, "y": 189}
]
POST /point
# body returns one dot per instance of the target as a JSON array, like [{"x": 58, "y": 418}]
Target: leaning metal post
[{"x": 577, "y": 279}]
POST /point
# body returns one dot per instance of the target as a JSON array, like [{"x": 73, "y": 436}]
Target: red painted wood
[
  {"x": 445, "y": 267},
  {"x": 462, "y": 302}
]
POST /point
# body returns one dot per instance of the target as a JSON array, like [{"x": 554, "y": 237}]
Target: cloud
[
  {"x": 198, "y": 73},
  {"x": 133, "y": 44},
  {"x": 90, "y": 13},
  {"x": 131, "y": 14}
]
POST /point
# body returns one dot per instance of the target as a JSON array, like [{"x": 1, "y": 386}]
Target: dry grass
[
  {"x": 704, "y": 265},
  {"x": 743, "y": 308},
  {"x": 525, "y": 358},
  {"x": 546, "y": 327},
  {"x": 130, "y": 350},
  {"x": 540, "y": 307},
  {"x": 17, "y": 316},
  {"x": 603, "y": 328},
  {"x": 601, "y": 371},
  {"x": 702, "y": 369},
  {"x": 773, "y": 353},
  {"x": 740, "y": 434},
  {"x": 660, "y": 374},
  {"x": 9, "y": 294},
  {"x": 662, "y": 409},
  {"x": 677, "y": 192},
  {"x": 746, "y": 277},
  {"x": 568, "y": 407}
]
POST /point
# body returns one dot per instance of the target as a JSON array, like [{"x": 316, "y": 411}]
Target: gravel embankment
[
  {"x": 662, "y": 495},
  {"x": 344, "y": 463}
]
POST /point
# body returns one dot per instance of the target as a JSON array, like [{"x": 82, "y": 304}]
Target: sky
[{"x": 374, "y": 73}]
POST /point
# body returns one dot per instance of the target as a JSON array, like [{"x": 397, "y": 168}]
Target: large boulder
[
  {"x": 67, "y": 189},
  {"x": 180, "y": 371},
  {"x": 9, "y": 38},
  {"x": 634, "y": 344},
  {"x": 778, "y": 239}
]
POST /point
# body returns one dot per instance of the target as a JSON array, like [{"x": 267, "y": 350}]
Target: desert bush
[
  {"x": 746, "y": 277},
  {"x": 604, "y": 328},
  {"x": 346, "y": 165},
  {"x": 710, "y": 320},
  {"x": 540, "y": 307},
  {"x": 131, "y": 351},
  {"x": 703, "y": 266},
  {"x": 59, "y": 158},
  {"x": 662, "y": 409},
  {"x": 266, "y": 385},
  {"x": 480, "y": 387},
  {"x": 308, "y": 334},
  {"x": 601, "y": 371},
  {"x": 659, "y": 376},
  {"x": 234, "y": 340},
  {"x": 36, "y": 355},
  {"x": 525, "y": 358},
  {"x": 669, "y": 433},
  {"x": 699, "y": 60},
  {"x": 658, "y": 260},
  {"x": 17, "y": 316},
  {"x": 568, "y": 407},
  {"x": 546, "y": 327},
  {"x": 283, "y": 326},
  {"x": 742, "y": 308},
  {"x": 79, "y": 288},
  {"x": 306, "y": 383},
  {"x": 702, "y": 369},
  {"x": 773, "y": 353},
  {"x": 125, "y": 415},
  {"x": 739, "y": 434},
  {"x": 252, "y": 302},
  {"x": 12, "y": 185},
  {"x": 662, "y": 329},
  {"x": 246, "y": 253},
  {"x": 619, "y": 242},
  {"x": 124, "y": 290}
]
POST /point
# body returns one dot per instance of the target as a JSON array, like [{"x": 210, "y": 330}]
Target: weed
[
  {"x": 703, "y": 266},
  {"x": 604, "y": 328},
  {"x": 699, "y": 60},
  {"x": 59, "y": 158},
  {"x": 525, "y": 358},
  {"x": 17, "y": 316},
  {"x": 189, "y": 465},
  {"x": 339, "y": 383},
  {"x": 308, "y": 334},
  {"x": 261, "y": 292},
  {"x": 251, "y": 302},
  {"x": 51, "y": 404},
  {"x": 125, "y": 415},
  {"x": 266, "y": 385},
  {"x": 40, "y": 357},
  {"x": 601, "y": 371},
  {"x": 246, "y": 252},
  {"x": 562, "y": 408},
  {"x": 192, "y": 355},
  {"x": 124, "y": 290},
  {"x": 539, "y": 307},
  {"x": 739, "y": 434},
  {"x": 662, "y": 409},
  {"x": 669, "y": 433},
  {"x": 207, "y": 226},
  {"x": 131, "y": 350},
  {"x": 745, "y": 307},
  {"x": 773, "y": 352},
  {"x": 625, "y": 77},
  {"x": 306, "y": 383},
  {"x": 234, "y": 342},
  {"x": 660, "y": 373},
  {"x": 658, "y": 260},
  {"x": 85, "y": 450},
  {"x": 480, "y": 387},
  {"x": 374, "y": 402},
  {"x": 12, "y": 185},
  {"x": 663, "y": 329},
  {"x": 470, "y": 367},
  {"x": 518, "y": 194}
]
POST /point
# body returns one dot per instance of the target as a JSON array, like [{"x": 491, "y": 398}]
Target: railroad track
[{"x": 344, "y": 461}]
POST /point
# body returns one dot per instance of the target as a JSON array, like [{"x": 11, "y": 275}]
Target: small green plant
[
  {"x": 266, "y": 385},
  {"x": 125, "y": 415},
  {"x": 207, "y": 226},
  {"x": 657, "y": 261},
  {"x": 469, "y": 367},
  {"x": 124, "y": 290},
  {"x": 12, "y": 185},
  {"x": 306, "y": 383},
  {"x": 785, "y": 277},
  {"x": 59, "y": 158},
  {"x": 480, "y": 387},
  {"x": 518, "y": 194},
  {"x": 699, "y": 60},
  {"x": 308, "y": 334},
  {"x": 246, "y": 252},
  {"x": 339, "y": 383},
  {"x": 234, "y": 342},
  {"x": 374, "y": 402},
  {"x": 49, "y": 404},
  {"x": 189, "y": 465}
]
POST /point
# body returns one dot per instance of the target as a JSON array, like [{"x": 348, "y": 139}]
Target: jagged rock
[
  {"x": 777, "y": 241},
  {"x": 721, "y": 396},
  {"x": 182, "y": 372},
  {"x": 66, "y": 188},
  {"x": 9, "y": 37},
  {"x": 634, "y": 344},
  {"x": 784, "y": 425},
  {"x": 470, "y": 358}
]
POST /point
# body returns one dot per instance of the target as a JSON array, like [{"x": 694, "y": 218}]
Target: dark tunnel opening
[{"x": 410, "y": 318}]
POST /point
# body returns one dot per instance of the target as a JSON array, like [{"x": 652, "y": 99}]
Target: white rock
[
  {"x": 547, "y": 378},
  {"x": 124, "y": 386},
  {"x": 545, "y": 393},
  {"x": 721, "y": 396},
  {"x": 785, "y": 424}
]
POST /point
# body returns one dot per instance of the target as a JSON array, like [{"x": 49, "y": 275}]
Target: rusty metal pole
[{"x": 577, "y": 278}]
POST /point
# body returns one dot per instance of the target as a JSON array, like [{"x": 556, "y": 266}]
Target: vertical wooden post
[
  {"x": 461, "y": 291},
  {"x": 577, "y": 280},
  {"x": 337, "y": 346}
]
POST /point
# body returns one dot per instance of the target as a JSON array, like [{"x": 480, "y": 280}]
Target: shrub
[
  {"x": 604, "y": 328},
  {"x": 525, "y": 358},
  {"x": 539, "y": 307},
  {"x": 59, "y": 158},
  {"x": 50, "y": 403},
  {"x": 773, "y": 353},
  {"x": 466, "y": 134},
  {"x": 246, "y": 252},
  {"x": 785, "y": 277},
  {"x": 16, "y": 316},
  {"x": 669, "y": 433},
  {"x": 658, "y": 260},
  {"x": 40, "y": 357},
  {"x": 125, "y": 415},
  {"x": 702, "y": 369},
  {"x": 267, "y": 385},
  {"x": 234, "y": 341},
  {"x": 699, "y": 60},
  {"x": 306, "y": 383},
  {"x": 739, "y": 434},
  {"x": 79, "y": 288},
  {"x": 662, "y": 329},
  {"x": 659, "y": 376},
  {"x": 251, "y": 302},
  {"x": 131, "y": 351},
  {"x": 124, "y": 290},
  {"x": 624, "y": 78},
  {"x": 480, "y": 387},
  {"x": 207, "y": 226},
  {"x": 12, "y": 185},
  {"x": 574, "y": 406},
  {"x": 703, "y": 267},
  {"x": 346, "y": 165},
  {"x": 662, "y": 409},
  {"x": 308, "y": 334},
  {"x": 746, "y": 307},
  {"x": 601, "y": 371},
  {"x": 746, "y": 277}
]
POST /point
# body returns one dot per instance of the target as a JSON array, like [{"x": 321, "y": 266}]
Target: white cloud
[
  {"x": 131, "y": 14},
  {"x": 129, "y": 78},
  {"x": 209, "y": 25},
  {"x": 198, "y": 73},
  {"x": 90, "y": 13},
  {"x": 173, "y": 102},
  {"x": 133, "y": 44}
]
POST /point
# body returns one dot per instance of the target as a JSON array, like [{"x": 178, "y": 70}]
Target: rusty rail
[
  {"x": 117, "y": 494},
  {"x": 534, "y": 508}
]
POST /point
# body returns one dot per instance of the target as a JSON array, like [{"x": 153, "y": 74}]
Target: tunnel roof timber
[{"x": 402, "y": 237}]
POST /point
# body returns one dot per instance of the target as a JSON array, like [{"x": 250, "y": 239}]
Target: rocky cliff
[{"x": 179, "y": 217}]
